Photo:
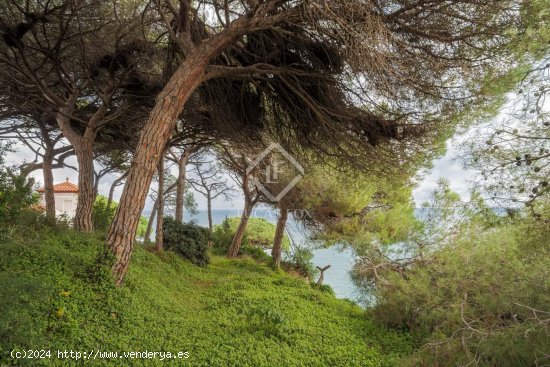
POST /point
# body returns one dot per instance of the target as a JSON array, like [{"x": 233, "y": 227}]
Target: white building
[{"x": 66, "y": 198}]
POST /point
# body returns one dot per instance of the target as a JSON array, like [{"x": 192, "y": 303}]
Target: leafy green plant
[
  {"x": 323, "y": 288},
  {"x": 222, "y": 236},
  {"x": 16, "y": 194},
  {"x": 256, "y": 253},
  {"x": 233, "y": 313},
  {"x": 187, "y": 239},
  {"x": 300, "y": 260}
]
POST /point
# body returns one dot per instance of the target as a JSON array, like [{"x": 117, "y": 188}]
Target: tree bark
[
  {"x": 159, "y": 237},
  {"x": 83, "y": 149},
  {"x": 322, "y": 275},
  {"x": 155, "y": 134},
  {"x": 279, "y": 235},
  {"x": 239, "y": 234},
  {"x": 112, "y": 189},
  {"x": 180, "y": 187},
  {"x": 84, "y": 209},
  {"x": 151, "y": 220},
  {"x": 97, "y": 178},
  {"x": 49, "y": 197},
  {"x": 154, "y": 214},
  {"x": 209, "y": 207}
]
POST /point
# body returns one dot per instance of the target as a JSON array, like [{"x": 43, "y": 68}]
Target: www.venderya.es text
[{"x": 96, "y": 354}]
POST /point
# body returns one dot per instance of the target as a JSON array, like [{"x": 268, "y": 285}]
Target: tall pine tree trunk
[
  {"x": 154, "y": 136},
  {"x": 239, "y": 234},
  {"x": 151, "y": 220},
  {"x": 83, "y": 149},
  {"x": 159, "y": 238},
  {"x": 112, "y": 189},
  {"x": 180, "y": 187},
  {"x": 279, "y": 235},
  {"x": 49, "y": 197},
  {"x": 86, "y": 193},
  {"x": 97, "y": 178},
  {"x": 154, "y": 214},
  {"x": 209, "y": 207}
]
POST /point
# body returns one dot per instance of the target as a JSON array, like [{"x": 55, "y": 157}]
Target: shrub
[
  {"x": 15, "y": 196},
  {"x": 102, "y": 216},
  {"x": 187, "y": 239},
  {"x": 223, "y": 235},
  {"x": 300, "y": 260}
]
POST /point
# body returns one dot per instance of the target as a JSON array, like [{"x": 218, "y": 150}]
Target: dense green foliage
[
  {"x": 187, "y": 239},
  {"x": 15, "y": 192},
  {"x": 472, "y": 283},
  {"x": 259, "y": 233},
  {"x": 233, "y": 313},
  {"x": 356, "y": 208},
  {"x": 485, "y": 298},
  {"x": 103, "y": 216},
  {"x": 300, "y": 259}
]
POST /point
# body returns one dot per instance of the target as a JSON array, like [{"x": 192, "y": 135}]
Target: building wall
[{"x": 65, "y": 203}]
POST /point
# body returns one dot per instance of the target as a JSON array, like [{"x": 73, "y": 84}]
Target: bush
[
  {"x": 15, "y": 196},
  {"x": 188, "y": 240},
  {"x": 102, "y": 216},
  {"x": 301, "y": 261},
  {"x": 222, "y": 236},
  {"x": 325, "y": 288}
]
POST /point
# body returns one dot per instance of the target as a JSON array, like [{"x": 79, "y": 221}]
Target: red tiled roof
[{"x": 63, "y": 187}]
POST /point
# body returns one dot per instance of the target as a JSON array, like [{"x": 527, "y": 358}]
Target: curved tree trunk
[
  {"x": 154, "y": 214},
  {"x": 83, "y": 149},
  {"x": 49, "y": 196},
  {"x": 151, "y": 220},
  {"x": 112, "y": 189},
  {"x": 180, "y": 187},
  {"x": 84, "y": 209},
  {"x": 239, "y": 234},
  {"x": 159, "y": 237},
  {"x": 322, "y": 275},
  {"x": 279, "y": 235},
  {"x": 154, "y": 136}
]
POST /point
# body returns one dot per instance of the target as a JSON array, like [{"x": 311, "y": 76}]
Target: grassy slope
[{"x": 233, "y": 313}]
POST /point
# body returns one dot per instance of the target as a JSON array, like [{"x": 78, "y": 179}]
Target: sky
[{"x": 448, "y": 166}]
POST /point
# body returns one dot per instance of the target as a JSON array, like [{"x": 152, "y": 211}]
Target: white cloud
[{"x": 450, "y": 167}]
